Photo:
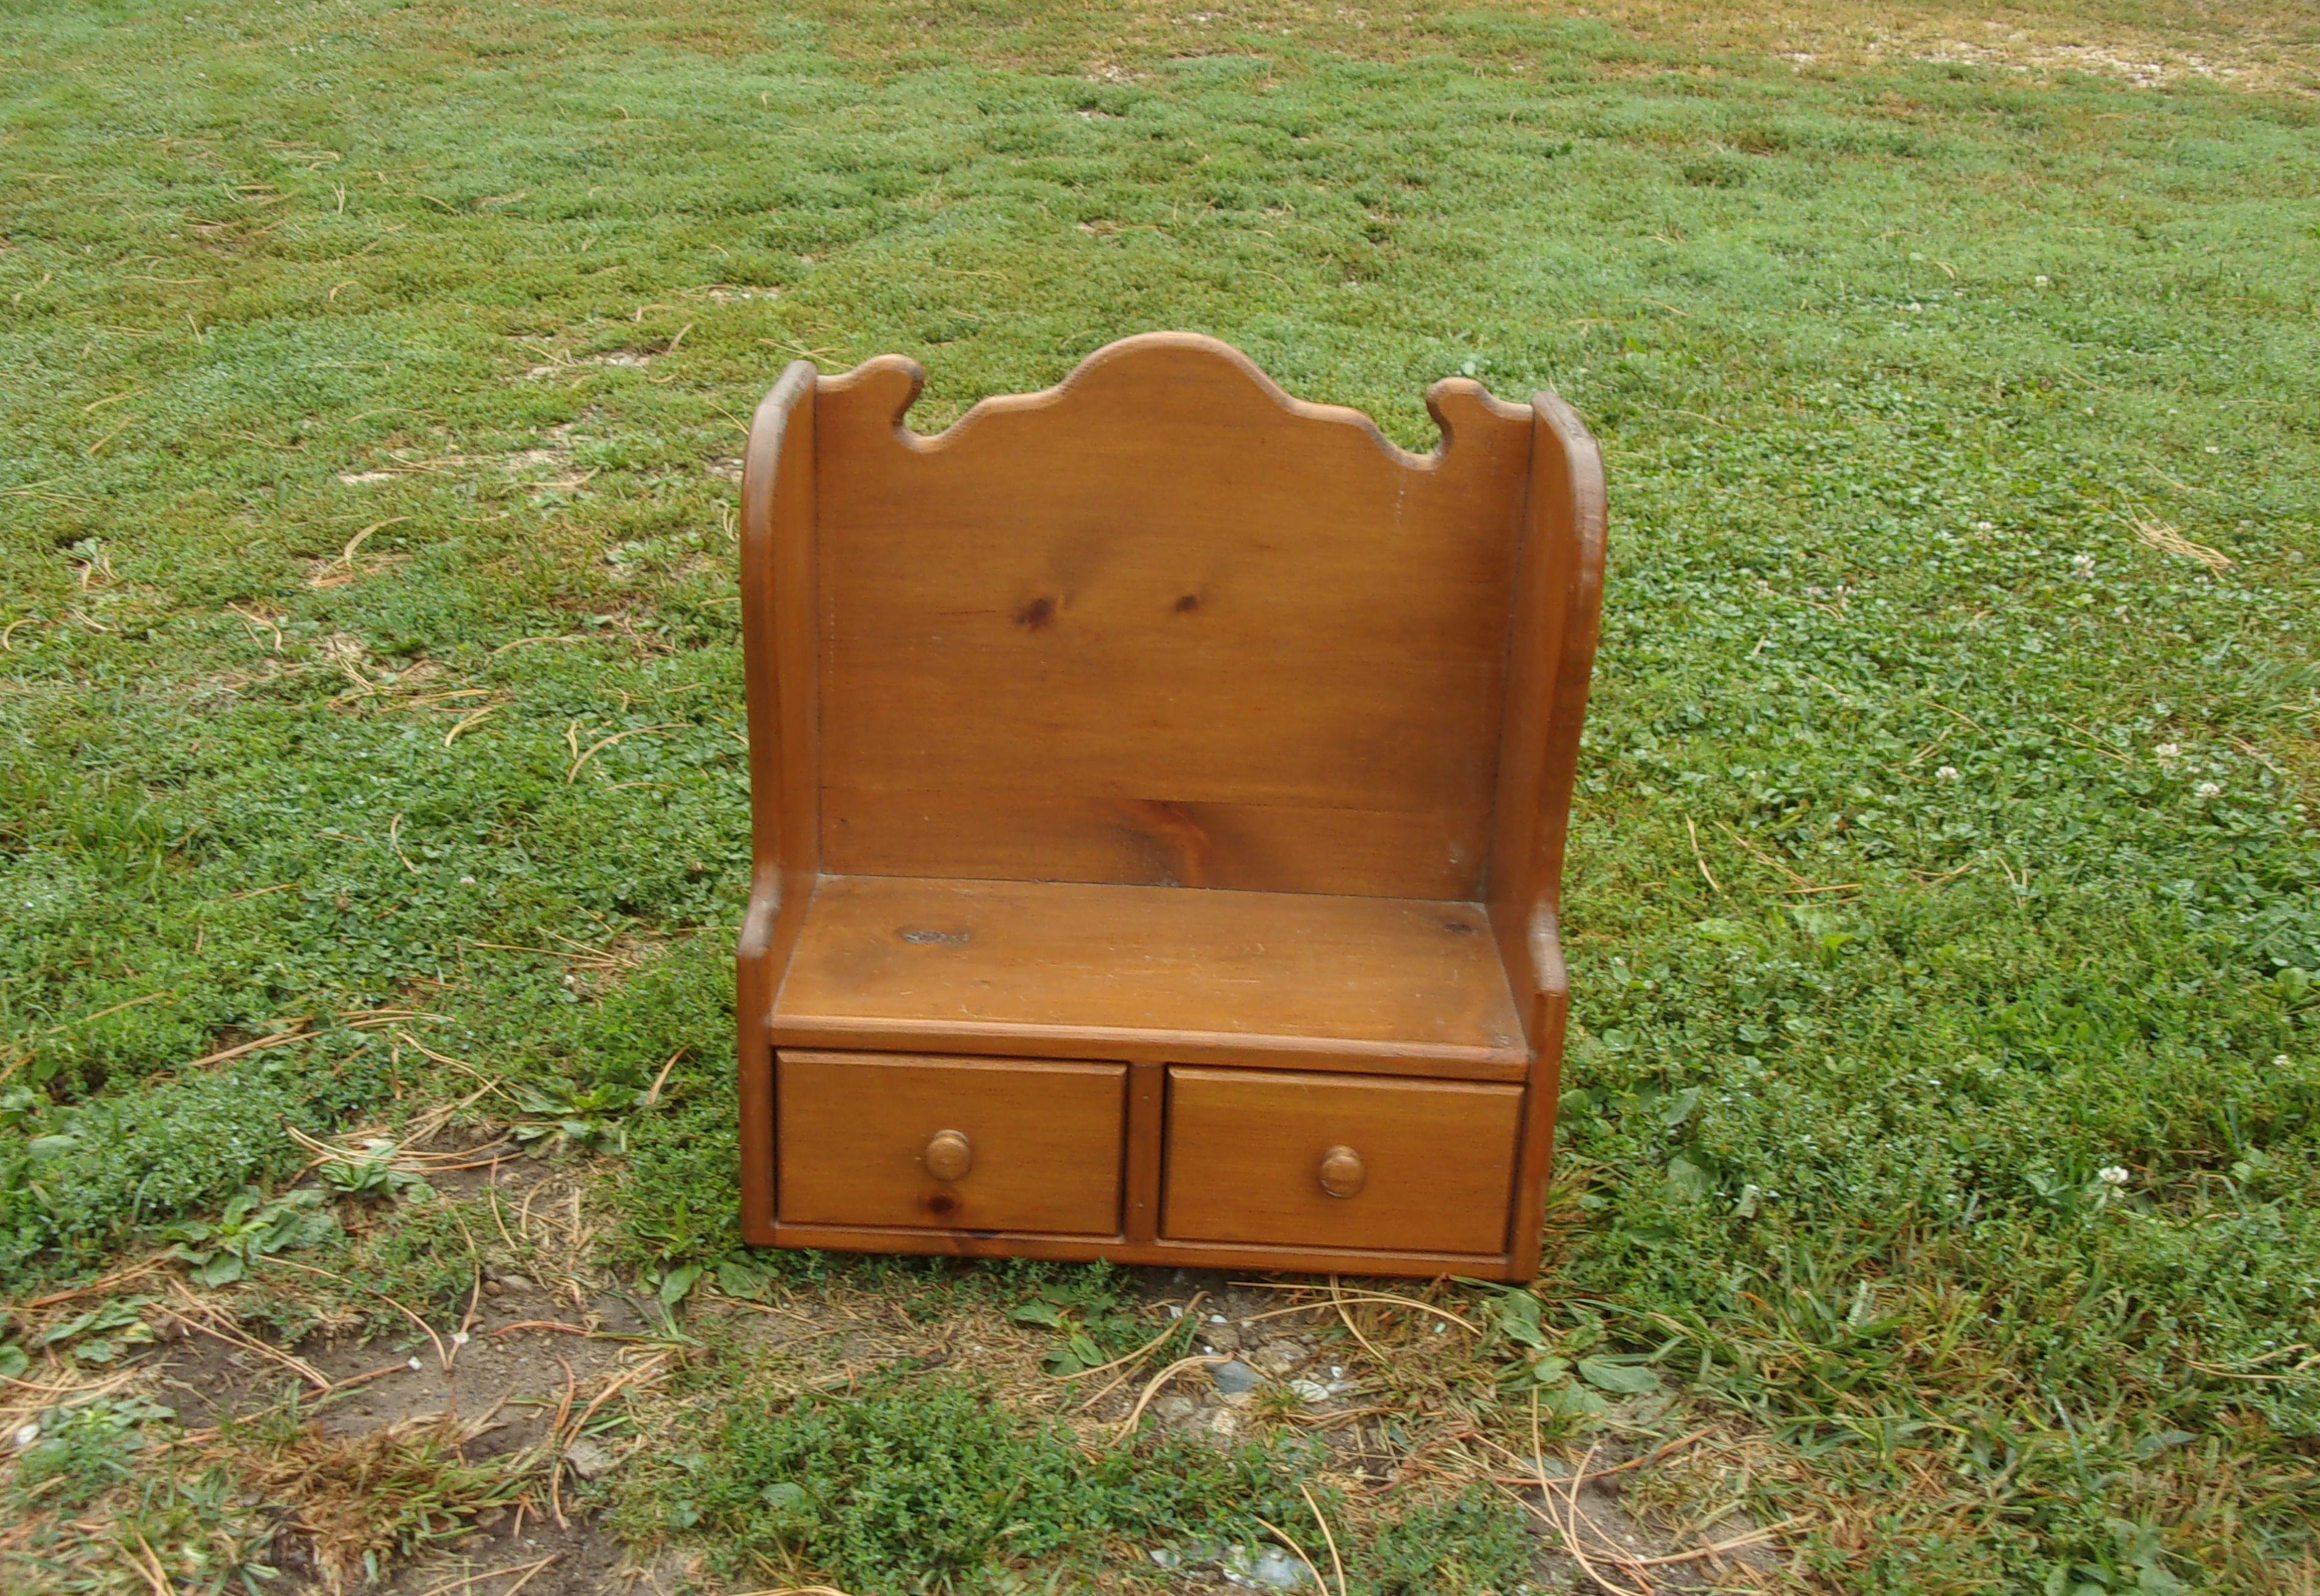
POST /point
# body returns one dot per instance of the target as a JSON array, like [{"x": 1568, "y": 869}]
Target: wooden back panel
[{"x": 1163, "y": 624}]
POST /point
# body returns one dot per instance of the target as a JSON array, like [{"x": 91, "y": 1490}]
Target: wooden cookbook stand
[{"x": 1159, "y": 787}]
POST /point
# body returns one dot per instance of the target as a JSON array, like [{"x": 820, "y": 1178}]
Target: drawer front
[
  {"x": 952, "y": 1144},
  {"x": 1363, "y": 1161}
]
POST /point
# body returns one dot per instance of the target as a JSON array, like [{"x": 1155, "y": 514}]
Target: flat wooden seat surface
[{"x": 1071, "y": 969}]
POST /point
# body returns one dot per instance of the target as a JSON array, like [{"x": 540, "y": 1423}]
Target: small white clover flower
[
  {"x": 2208, "y": 790},
  {"x": 2113, "y": 1175},
  {"x": 1985, "y": 526},
  {"x": 1947, "y": 772},
  {"x": 2279, "y": 1061},
  {"x": 2082, "y": 564},
  {"x": 2041, "y": 281},
  {"x": 25, "y": 1436},
  {"x": 2168, "y": 750}
]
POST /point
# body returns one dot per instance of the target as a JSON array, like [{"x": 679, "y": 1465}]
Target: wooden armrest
[
  {"x": 1559, "y": 589},
  {"x": 778, "y": 510}
]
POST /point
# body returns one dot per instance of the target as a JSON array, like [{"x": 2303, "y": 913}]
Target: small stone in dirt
[
  {"x": 1642, "y": 1411},
  {"x": 1190, "y": 1555},
  {"x": 1234, "y": 1377},
  {"x": 589, "y": 1458},
  {"x": 492, "y": 1288},
  {"x": 1175, "y": 1406},
  {"x": 1278, "y": 1357},
  {"x": 1268, "y": 1567},
  {"x": 1311, "y": 1390},
  {"x": 515, "y": 1283}
]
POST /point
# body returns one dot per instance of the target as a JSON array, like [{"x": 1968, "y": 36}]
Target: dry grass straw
[
  {"x": 1336, "y": 1562},
  {"x": 400, "y": 1155},
  {"x": 448, "y": 1062},
  {"x": 580, "y": 757},
  {"x": 442, "y": 1353},
  {"x": 1421, "y": 1378},
  {"x": 301, "y": 1032},
  {"x": 1289, "y": 1540},
  {"x": 1129, "y": 1364},
  {"x": 208, "y": 1318},
  {"x": 390, "y": 1490},
  {"x": 68, "y": 1385},
  {"x": 2168, "y": 540},
  {"x": 1154, "y": 1386},
  {"x": 147, "y": 1562},
  {"x": 102, "y": 1286},
  {"x": 528, "y": 1571}
]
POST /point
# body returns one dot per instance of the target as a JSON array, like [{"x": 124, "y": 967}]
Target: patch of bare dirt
[
  {"x": 1648, "y": 1503},
  {"x": 495, "y": 1415}
]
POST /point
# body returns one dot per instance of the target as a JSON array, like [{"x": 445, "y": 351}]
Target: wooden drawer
[
  {"x": 963, "y": 1143},
  {"x": 1358, "y": 1161}
]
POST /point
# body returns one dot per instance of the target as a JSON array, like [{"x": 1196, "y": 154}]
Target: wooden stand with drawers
[{"x": 1159, "y": 788}]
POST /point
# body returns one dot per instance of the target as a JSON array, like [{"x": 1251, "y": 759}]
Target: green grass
[
  {"x": 924, "y": 1484},
  {"x": 1892, "y": 926}
]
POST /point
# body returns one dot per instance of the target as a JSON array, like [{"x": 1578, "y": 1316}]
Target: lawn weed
[{"x": 929, "y": 1483}]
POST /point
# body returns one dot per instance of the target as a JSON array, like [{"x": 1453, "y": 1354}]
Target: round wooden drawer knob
[
  {"x": 1342, "y": 1174},
  {"x": 948, "y": 1156}
]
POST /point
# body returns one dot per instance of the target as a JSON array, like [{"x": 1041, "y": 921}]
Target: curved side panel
[
  {"x": 1163, "y": 624},
  {"x": 1568, "y": 467},
  {"x": 1558, "y": 606},
  {"x": 777, "y": 527}
]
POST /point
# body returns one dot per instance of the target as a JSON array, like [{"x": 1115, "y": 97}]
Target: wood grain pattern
[
  {"x": 777, "y": 545},
  {"x": 1045, "y": 1141},
  {"x": 1163, "y": 624},
  {"x": 1163, "y": 1254},
  {"x": 1536, "y": 1162},
  {"x": 1149, "y": 971},
  {"x": 1246, "y": 1151},
  {"x": 1148, "y": 1100},
  {"x": 1559, "y": 593},
  {"x": 1167, "y": 726}
]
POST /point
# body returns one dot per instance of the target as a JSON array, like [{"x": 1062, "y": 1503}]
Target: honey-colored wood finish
[
  {"x": 777, "y": 545},
  {"x": 951, "y": 1144},
  {"x": 1078, "y": 970},
  {"x": 1163, "y": 724},
  {"x": 1551, "y": 653},
  {"x": 1163, "y": 1254},
  {"x": 1157, "y": 625},
  {"x": 1254, "y": 1155}
]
